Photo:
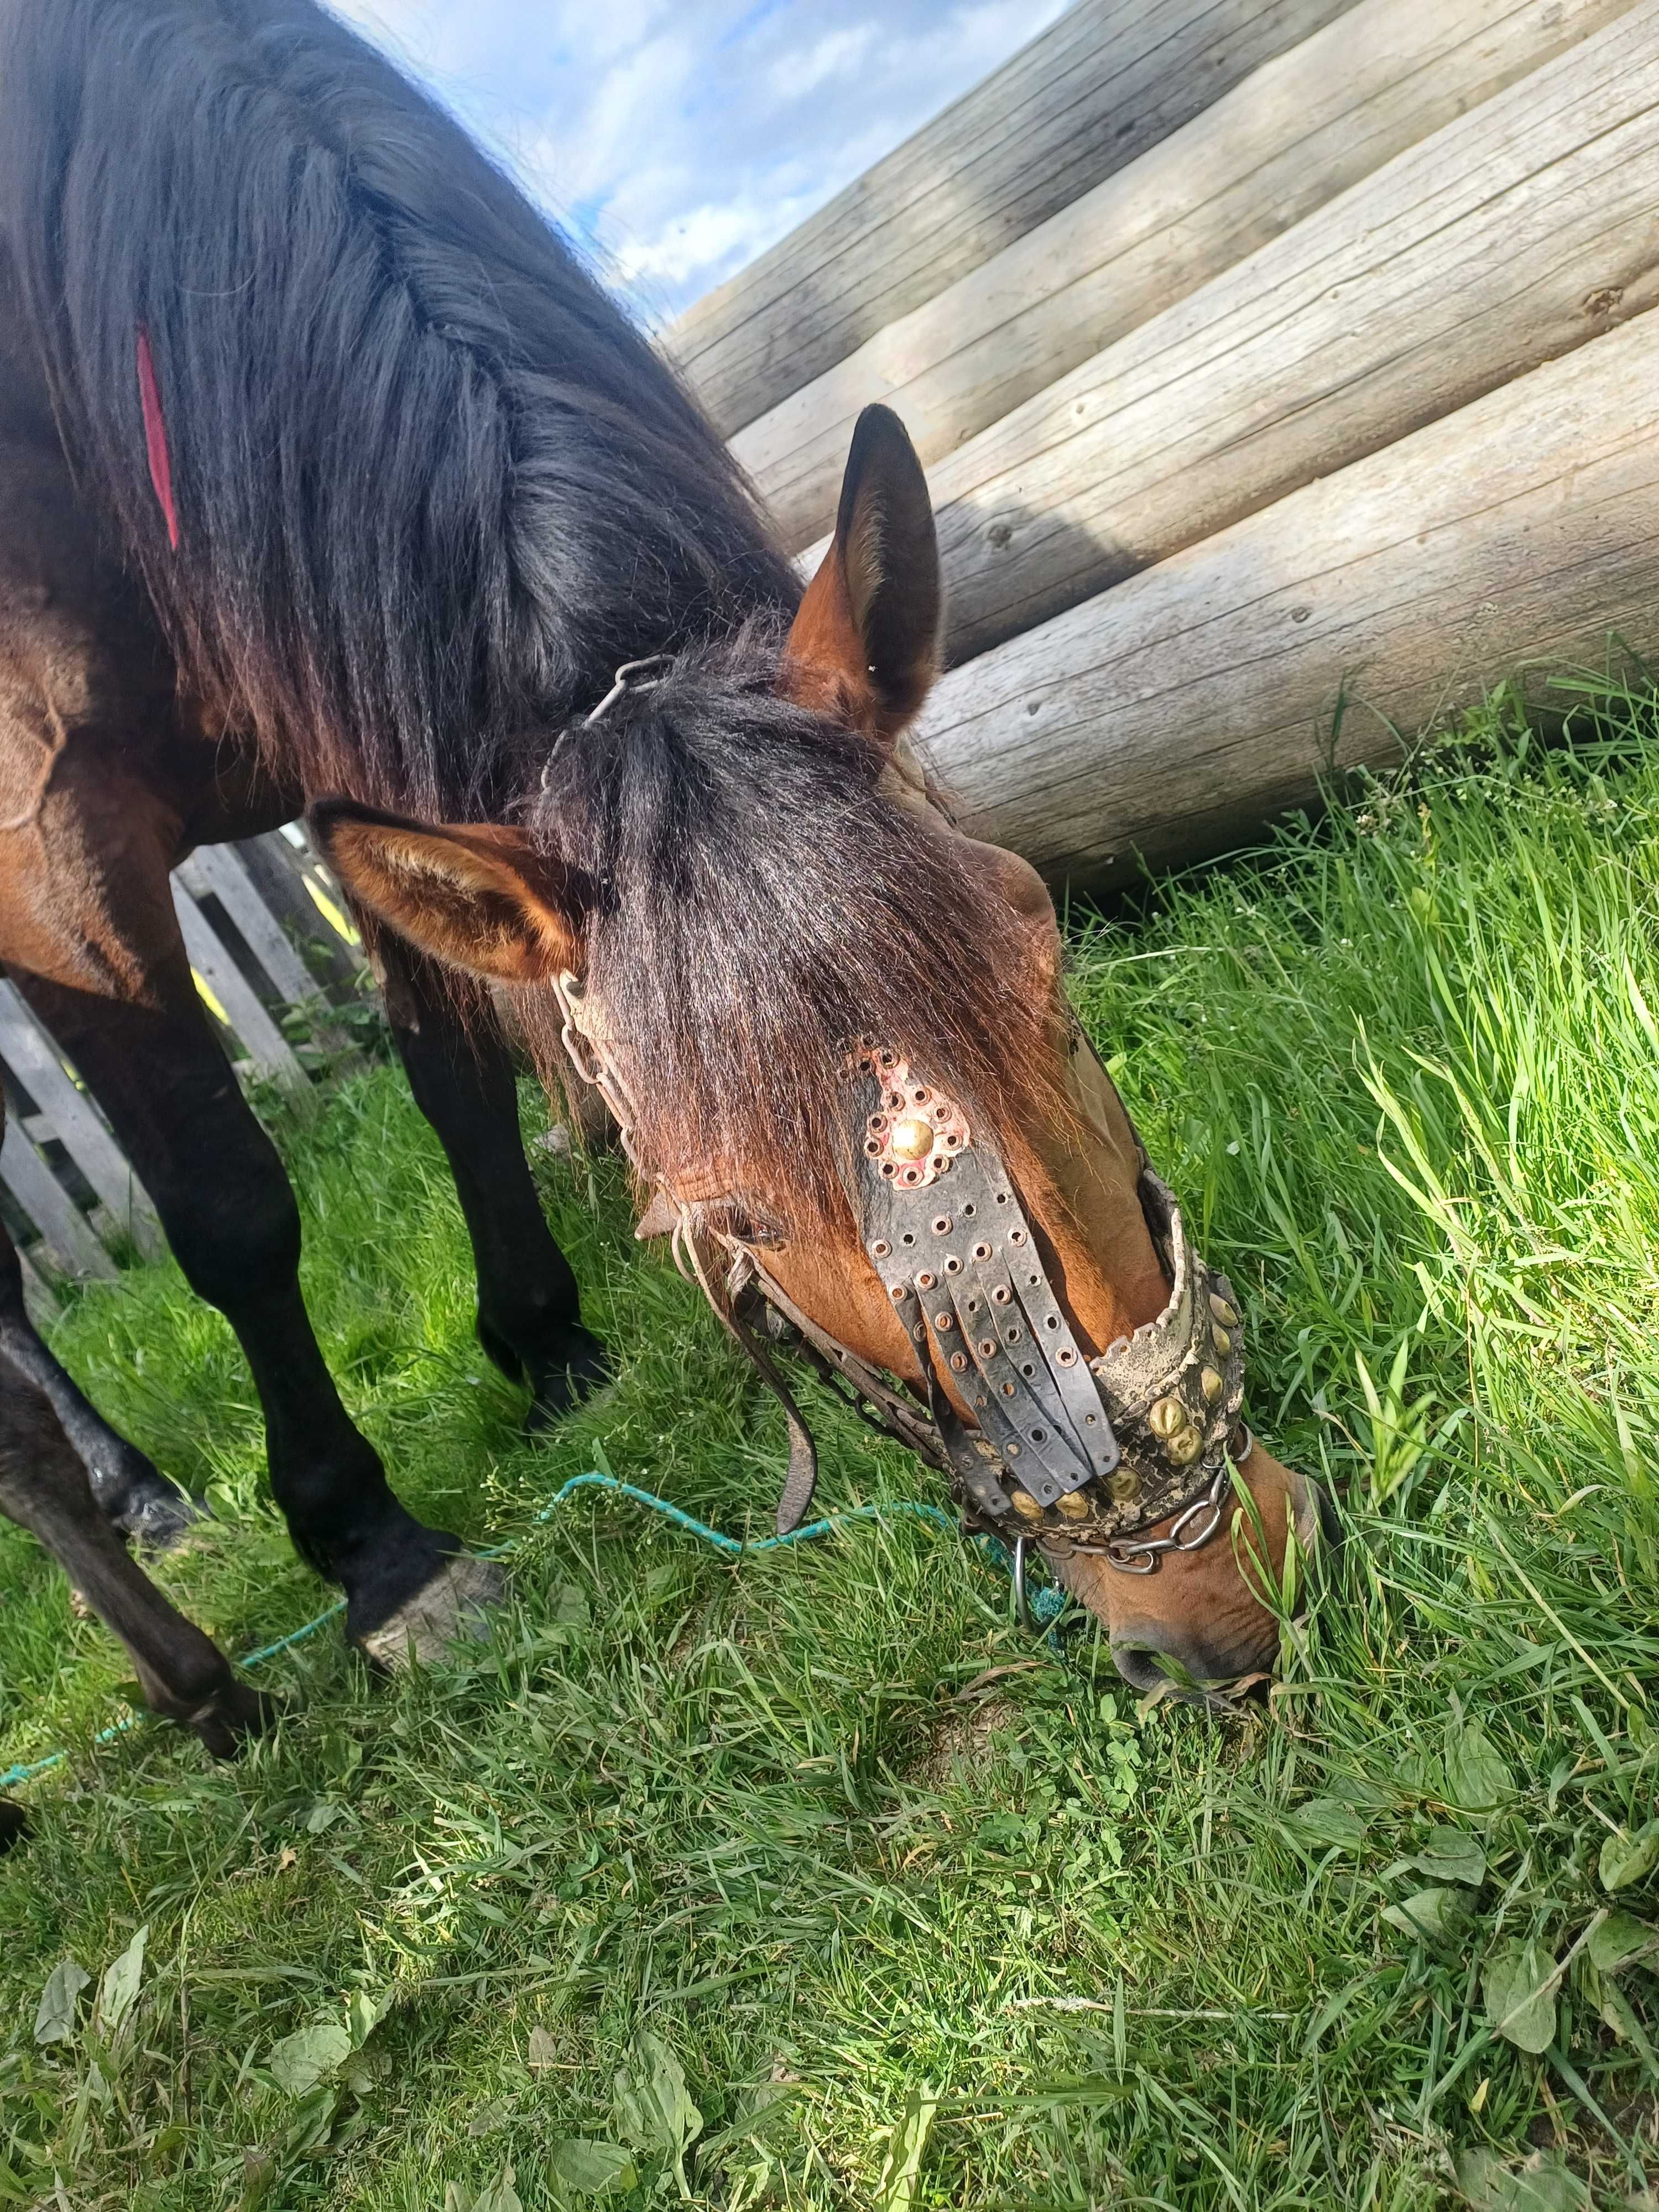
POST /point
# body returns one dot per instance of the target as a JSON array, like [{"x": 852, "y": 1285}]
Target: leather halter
[{"x": 1077, "y": 1455}]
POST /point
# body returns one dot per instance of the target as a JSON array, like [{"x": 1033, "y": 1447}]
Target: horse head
[{"x": 833, "y": 1031}]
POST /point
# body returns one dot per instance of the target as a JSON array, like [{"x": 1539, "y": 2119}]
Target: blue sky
[{"x": 677, "y": 138}]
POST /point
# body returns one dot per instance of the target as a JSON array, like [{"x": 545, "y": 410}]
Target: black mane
[
  {"x": 432, "y": 484},
  {"x": 760, "y": 904}
]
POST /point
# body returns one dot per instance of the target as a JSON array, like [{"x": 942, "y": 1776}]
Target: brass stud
[
  {"x": 925, "y": 1280},
  {"x": 1074, "y": 1505},
  {"x": 944, "y": 1321},
  {"x": 1212, "y": 1383},
  {"x": 1185, "y": 1447},
  {"x": 1168, "y": 1418},
  {"x": 1223, "y": 1312},
  {"x": 880, "y": 1248},
  {"x": 911, "y": 1139},
  {"x": 959, "y": 1362},
  {"x": 1222, "y": 1342},
  {"x": 1026, "y": 1506},
  {"x": 1125, "y": 1485}
]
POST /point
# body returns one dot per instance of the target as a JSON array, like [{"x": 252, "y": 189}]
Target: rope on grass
[{"x": 1046, "y": 1604}]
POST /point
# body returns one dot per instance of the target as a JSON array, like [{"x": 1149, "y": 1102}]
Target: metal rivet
[
  {"x": 952, "y": 1265},
  {"x": 881, "y": 1248},
  {"x": 911, "y": 1139},
  {"x": 1008, "y": 1390},
  {"x": 1016, "y": 1236},
  {"x": 897, "y": 1294},
  {"x": 958, "y": 1361},
  {"x": 1223, "y": 1312},
  {"x": 1212, "y": 1383},
  {"x": 1222, "y": 1342},
  {"x": 942, "y": 1225},
  {"x": 986, "y": 1348},
  {"x": 925, "y": 1280},
  {"x": 920, "y": 1332},
  {"x": 1066, "y": 1357},
  {"x": 1168, "y": 1418},
  {"x": 1013, "y": 1451},
  {"x": 944, "y": 1321},
  {"x": 1001, "y": 1295},
  {"x": 1013, "y": 1336},
  {"x": 1037, "y": 1435}
]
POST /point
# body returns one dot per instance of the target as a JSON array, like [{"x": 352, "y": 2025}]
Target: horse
[
  {"x": 331, "y": 477},
  {"x": 833, "y": 1029}
]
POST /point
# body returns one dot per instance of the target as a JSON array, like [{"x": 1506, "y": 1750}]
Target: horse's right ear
[
  {"x": 867, "y": 639},
  {"x": 473, "y": 895}
]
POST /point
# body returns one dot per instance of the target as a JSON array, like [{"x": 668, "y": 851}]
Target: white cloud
[{"x": 678, "y": 139}]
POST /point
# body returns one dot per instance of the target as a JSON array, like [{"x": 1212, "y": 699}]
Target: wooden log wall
[{"x": 1221, "y": 444}]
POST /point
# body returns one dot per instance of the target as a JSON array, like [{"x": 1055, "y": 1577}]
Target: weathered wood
[
  {"x": 74, "y": 1119},
  {"x": 261, "y": 1040},
  {"x": 38, "y": 1302},
  {"x": 1302, "y": 129},
  {"x": 279, "y": 874},
  {"x": 1109, "y": 79},
  {"x": 64, "y": 1230},
  {"x": 218, "y": 870},
  {"x": 1512, "y": 235},
  {"x": 1171, "y": 717}
]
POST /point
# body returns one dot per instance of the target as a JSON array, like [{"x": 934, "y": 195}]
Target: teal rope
[{"x": 1045, "y": 1604}]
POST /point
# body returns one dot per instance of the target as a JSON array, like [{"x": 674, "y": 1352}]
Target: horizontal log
[
  {"x": 1304, "y": 128},
  {"x": 1514, "y": 234},
  {"x": 1107, "y": 81},
  {"x": 1170, "y": 718}
]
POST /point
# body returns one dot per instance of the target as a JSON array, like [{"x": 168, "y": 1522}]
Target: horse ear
[
  {"x": 475, "y": 895},
  {"x": 869, "y": 626}
]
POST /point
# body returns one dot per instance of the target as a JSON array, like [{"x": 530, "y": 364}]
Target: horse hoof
[
  {"x": 159, "y": 1516},
  {"x": 454, "y": 1607},
  {"x": 562, "y": 1385},
  {"x": 232, "y": 1716}
]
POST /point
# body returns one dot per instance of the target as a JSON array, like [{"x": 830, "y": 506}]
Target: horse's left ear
[
  {"x": 475, "y": 895},
  {"x": 866, "y": 638}
]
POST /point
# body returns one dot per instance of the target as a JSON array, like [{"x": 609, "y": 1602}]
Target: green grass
[{"x": 777, "y": 1838}]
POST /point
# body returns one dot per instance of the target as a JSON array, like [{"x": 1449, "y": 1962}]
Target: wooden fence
[
  {"x": 273, "y": 952},
  {"x": 1283, "y": 377}
]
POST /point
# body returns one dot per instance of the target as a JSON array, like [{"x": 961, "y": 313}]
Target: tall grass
[{"x": 810, "y": 1882}]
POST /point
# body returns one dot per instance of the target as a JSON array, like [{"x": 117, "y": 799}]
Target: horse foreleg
[
  {"x": 131, "y": 1493},
  {"x": 44, "y": 1488},
  {"x": 461, "y": 1075},
  {"x": 167, "y": 1090}
]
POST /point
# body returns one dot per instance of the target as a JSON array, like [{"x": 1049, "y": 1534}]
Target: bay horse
[{"x": 326, "y": 471}]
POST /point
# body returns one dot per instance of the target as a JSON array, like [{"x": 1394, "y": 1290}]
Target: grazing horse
[
  {"x": 325, "y": 469},
  {"x": 833, "y": 1031}
]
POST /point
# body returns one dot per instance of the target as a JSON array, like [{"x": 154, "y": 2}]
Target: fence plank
[
  {"x": 1302, "y": 129},
  {"x": 1108, "y": 80},
  {"x": 70, "y": 1116},
  {"x": 219, "y": 870},
  {"x": 1514, "y": 234},
  {"x": 1170, "y": 718},
  {"x": 63, "y": 1228},
  {"x": 38, "y": 1302},
  {"x": 263, "y": 1041},
  {"x": 279, "y": 874}
]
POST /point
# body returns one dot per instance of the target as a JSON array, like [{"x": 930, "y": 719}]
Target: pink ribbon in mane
[{"x": 156, "y": 437}]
